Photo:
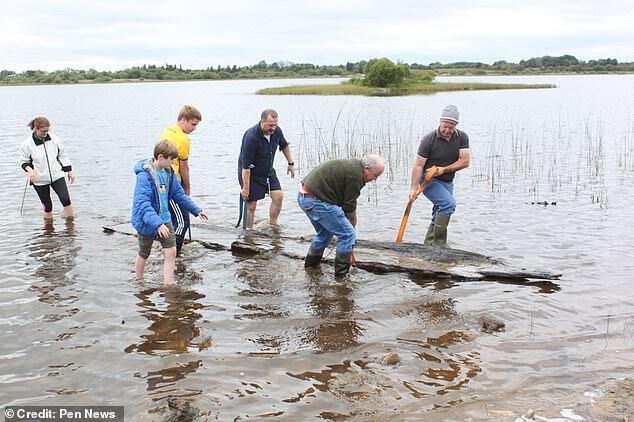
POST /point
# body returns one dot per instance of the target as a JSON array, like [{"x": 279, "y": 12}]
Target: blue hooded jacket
[{"x": 146, "y": 204}]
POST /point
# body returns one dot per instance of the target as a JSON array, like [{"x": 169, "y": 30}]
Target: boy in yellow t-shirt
[{"x": 188, "y": 119}]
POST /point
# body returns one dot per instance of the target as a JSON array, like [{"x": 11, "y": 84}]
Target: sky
[{"x": 114, "y": 34}]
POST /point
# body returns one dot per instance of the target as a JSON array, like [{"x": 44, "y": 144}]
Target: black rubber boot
[
  {"x": 440, "y": 229},
  {"x": 313, "y": 258},
  {"x": 179, "y": 243},
  {"x": 342, "y": 264}
]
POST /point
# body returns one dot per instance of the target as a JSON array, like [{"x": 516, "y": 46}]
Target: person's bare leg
[
  {"x": 251, "y": 213},
  {"x": 139, "y": 267},
  {"x": 276, "y": 206},
  {"x": 69, "y": 212},
  {"x": 168, "y": 265},
  {"x": 47, "y": 215}
]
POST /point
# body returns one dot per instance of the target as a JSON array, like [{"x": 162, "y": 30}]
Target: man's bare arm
[
  {"x": 464, "y": 159},
  {"x": 183, "y": 169}
]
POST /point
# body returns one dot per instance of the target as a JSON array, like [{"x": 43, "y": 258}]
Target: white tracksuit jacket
[{"x": 48, "y": 159}]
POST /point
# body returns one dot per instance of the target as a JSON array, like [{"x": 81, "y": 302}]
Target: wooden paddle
[{"x": 428, "y": 176}]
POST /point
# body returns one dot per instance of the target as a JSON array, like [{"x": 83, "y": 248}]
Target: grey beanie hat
[{"x": 450, "y": 114}]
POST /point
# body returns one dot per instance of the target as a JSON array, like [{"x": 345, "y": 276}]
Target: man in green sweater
[{"x": 328, "y": 196}]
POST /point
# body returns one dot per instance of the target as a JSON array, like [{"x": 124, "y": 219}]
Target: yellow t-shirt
[{"x": 179, "y": 138}]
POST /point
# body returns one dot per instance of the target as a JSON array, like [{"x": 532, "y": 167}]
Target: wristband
[{"x": 292, "y": 163}]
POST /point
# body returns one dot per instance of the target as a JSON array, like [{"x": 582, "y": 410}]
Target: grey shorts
[{"x": 145, "y": 242}]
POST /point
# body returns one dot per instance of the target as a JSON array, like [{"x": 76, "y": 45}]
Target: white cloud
[{"x": 114, "y": 34}]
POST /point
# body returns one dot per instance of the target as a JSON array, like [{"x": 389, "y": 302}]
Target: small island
[
  {"x": 346, "y": 88},
  {"x": 382, "y": 77}
]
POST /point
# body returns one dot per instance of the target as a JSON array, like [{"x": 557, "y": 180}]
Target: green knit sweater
[{"x": 338, "y": 182}]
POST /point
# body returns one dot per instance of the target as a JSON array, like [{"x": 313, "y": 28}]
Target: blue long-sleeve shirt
[{"x": 257, "y": 153}]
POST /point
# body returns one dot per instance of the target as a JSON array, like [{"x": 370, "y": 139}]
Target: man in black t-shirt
[{"x": 447, "y": 148}]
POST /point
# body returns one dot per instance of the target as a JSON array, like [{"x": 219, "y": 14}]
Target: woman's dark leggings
[{"x": 44, "y": 192}]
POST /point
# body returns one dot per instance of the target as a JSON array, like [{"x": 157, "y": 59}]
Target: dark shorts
[
  {"x": 258, "y": 190},
  {"x": 145, "y": 242}
]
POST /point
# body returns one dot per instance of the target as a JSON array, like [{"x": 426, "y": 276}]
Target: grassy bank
[{"x": 422, "y": 88}]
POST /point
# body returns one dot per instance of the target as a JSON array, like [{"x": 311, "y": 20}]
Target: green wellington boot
[
  {"x": 440, "y": 229},
  {"x": 313, "y": 258},
  {"x": 429, "y": 237},
  {"x": 342, "y": 264}
]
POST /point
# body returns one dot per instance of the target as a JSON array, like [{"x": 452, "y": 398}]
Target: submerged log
[
  {"x": 421, "y": 260},
  {"x": 378, "y": 257}
]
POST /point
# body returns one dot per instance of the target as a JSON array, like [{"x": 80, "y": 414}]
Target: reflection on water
[
  {"x": 327, "y": 320},
  {"x": 166, "y": 378},
  {"x": 260, "y": 293},
  {"x": 261, "y": 290},
  {"x": 543, "y": 286},
  {"x": 173, "y": 328},
  {"x": 419, "y": 369},
  {"x": 333, "y": 307},
  {"x": 173, "y": 331},
  {"x": 56, "y": 250},
  {"x": 434, "y": 311},
  {"x": 444, "y": 372}
]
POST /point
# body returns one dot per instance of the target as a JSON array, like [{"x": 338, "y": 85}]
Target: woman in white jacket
[{"x": 43, "y": 156}]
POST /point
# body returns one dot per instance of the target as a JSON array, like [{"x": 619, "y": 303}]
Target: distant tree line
[
  {"x": 168, "y": 72},
  {"x": 544, "y": 64},
  {"x": 174, "y": 73}
]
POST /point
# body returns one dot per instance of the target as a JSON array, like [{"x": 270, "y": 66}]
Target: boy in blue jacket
[{"x": 155, "y": 186}]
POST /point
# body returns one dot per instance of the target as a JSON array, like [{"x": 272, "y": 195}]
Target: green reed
[
  {"x": 546, "y": 163},
  {"x": 550, "y": 163}
]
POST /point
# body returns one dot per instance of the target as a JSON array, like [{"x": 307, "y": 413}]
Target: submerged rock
[
  {"x": 468, "y": 335},
  {"x": 489, "y": 324},
  {"x": 391, "y": 359}
]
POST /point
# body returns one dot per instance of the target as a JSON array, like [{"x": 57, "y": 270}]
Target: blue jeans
[
  {"x": 328, "y": 220},
  {"x": 441, "y": 195}
]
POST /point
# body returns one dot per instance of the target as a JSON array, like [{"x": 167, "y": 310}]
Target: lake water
[{"x": 249, "y": 338}]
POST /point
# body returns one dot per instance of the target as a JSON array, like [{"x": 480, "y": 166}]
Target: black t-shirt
[{"x": 442, "y": 152}]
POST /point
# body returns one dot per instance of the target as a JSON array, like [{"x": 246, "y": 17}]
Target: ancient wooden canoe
[{"x": 378, "y": 257}]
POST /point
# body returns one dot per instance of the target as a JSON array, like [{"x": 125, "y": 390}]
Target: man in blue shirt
[{"x": 256, "y": 174}]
